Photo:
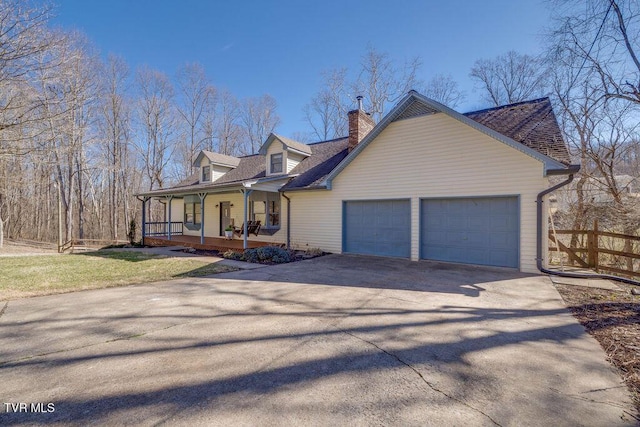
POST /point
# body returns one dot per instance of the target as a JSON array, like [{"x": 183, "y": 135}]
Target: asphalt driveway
[{"x": 337, "y": 340}]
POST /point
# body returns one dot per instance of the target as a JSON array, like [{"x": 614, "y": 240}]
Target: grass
[{"x": 25, "y": 276}]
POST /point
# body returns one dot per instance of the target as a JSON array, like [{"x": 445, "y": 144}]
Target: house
[{"x": 426, "y": 182}]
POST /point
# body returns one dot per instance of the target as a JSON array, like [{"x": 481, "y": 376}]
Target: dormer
[
  {"x": 213, "y": 165},
  {"x": 283, "y": 154}
]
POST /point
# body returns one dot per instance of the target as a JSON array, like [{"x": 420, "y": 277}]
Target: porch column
[
  {"x": 245, "y": 243},
  {"x": 202, "y": 197},
  {"x": 144, "y": 201},
  {"x": 169, "y": 199}
]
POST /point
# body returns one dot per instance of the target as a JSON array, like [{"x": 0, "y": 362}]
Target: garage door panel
[
  {"x": 480, "y": 230},
  {"x": 377, "y": 227}
]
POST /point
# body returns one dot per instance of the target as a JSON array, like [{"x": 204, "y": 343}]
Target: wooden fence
[
  {"x": 601, "y": 251},
  {"x": 85, "y": 244}
]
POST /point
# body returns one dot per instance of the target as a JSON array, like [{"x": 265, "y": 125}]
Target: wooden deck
[{"x": 210, "y": 243}]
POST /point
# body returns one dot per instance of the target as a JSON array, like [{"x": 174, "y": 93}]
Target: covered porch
[
  {"x": 219, "y": 244},
  {"x": 203, "y": 213}
]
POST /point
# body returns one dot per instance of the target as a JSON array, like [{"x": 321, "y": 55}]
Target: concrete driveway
[{"x": 338, "y": 340}]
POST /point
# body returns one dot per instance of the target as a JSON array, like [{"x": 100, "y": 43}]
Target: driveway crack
[
  {"x": 6, "y": 304},
  {"x": 414, "y": 369},
  {"x": 587, "y": 399}
]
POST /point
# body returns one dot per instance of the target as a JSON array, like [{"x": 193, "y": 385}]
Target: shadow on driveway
[{"x": 340, "y": 339}]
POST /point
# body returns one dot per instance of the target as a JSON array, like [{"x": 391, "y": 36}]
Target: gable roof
[
  {"x": 308, "y": 174},
  {"x": 289, "y": 145},
  {"x": 531, "y": 123},
  {"x": 530, "y": 127},
  {"x": 217, "y": 159},
  {"x": 415, "y": 104}
]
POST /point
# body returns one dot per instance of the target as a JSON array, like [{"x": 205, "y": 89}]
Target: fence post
[
  {"x": 591, "y": 262},
  {"x": 596, "y": 238}
]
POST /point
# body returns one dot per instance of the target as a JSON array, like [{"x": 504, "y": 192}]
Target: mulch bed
[{"x": 613, "y": 318}]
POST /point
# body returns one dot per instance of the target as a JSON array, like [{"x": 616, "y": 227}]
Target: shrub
[
  {"x": 251, "y": 255},
  {"x": 131, "y": 234},
  {"x": 267, "y": 254},
  {"x": 314, "y": 252},
  {"x": 230, "y": 254}
]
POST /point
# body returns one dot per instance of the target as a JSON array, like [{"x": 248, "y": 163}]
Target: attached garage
[
  {"x": 377, "y": 227},
  {"x": 478, "y": 230}
]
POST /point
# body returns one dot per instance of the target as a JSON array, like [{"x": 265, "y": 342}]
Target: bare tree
[
  {"x": 157, "y": 120},
  {"x": 196, "y": 96},
  {"x": 67, "y": 95},
  {"x": 605, "y": 34},
  {"x": 379, "y": 80},
  {"x": 444, "y": 89},
  {"x": 24, "y": 40},
  {"x": 228, "y": 130},
  {"x": 259, "y": 119},
  {"x": 326, "y": 111},
  {"x": 510, "y": 78},
  {"x": 382, "y": 82},
  {"x": 602, "y": 132},
  {"x": 115, "y": 131}
]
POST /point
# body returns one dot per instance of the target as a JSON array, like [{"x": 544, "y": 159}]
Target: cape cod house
[{"x": 426, "y": 182}]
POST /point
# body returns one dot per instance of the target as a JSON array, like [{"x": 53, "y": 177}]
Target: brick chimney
[{"x": 360, "y": 124}]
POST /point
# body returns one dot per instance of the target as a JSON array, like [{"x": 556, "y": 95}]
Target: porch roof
[{"x": 270, "y": 184}]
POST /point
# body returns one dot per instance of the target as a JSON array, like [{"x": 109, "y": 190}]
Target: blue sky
[{"x": 280, "y": 47}]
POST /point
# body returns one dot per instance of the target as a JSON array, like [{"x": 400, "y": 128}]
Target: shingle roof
[
  {"x": 298, "y": 146},
  {"x": 250, "y": 167},
  {"x": 531, "y": 123},
  {"x": 221, "y": 159},
  {"x": 324, "y": 157}
]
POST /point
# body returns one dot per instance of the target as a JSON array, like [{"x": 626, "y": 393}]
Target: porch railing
[{"x": 162, "y": 228}]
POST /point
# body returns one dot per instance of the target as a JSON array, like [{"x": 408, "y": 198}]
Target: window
[
  {"x": 276, "y": 163},
  {"x": 265, "y": 207},
  {"x": 206, "y": 173},
  {"x": 192, "y": 213}
]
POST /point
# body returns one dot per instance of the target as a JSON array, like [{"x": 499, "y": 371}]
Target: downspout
[
  {"x": 288, "y": 220},
  {"x": 570, "y": 171}
]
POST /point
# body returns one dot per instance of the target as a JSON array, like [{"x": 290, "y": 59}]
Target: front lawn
[{"x": 25, "y": 276}]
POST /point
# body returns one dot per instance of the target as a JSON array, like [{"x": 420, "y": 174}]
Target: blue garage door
[
  {"x": 377, "y": 227},
  {"x": 481, "y": 230}
]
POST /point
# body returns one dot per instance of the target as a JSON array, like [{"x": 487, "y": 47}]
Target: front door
[{"x": 225, "y": 216}]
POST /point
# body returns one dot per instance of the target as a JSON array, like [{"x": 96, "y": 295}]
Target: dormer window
[
  {"x": 276, "y": 163},
  {"x": 206, "y": 174}
]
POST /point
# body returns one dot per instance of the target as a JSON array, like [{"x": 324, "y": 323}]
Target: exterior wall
[
  {"x": 177, "y": 210},
  {"x": 275, "y": 147},
  {"x": 428, "y": 156},
  {"x": 212, "y": 217},
  {"x": 292, "y": 160},
  {"x": 217, "y": 171},
  {"x": 203, "y": 162}
]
